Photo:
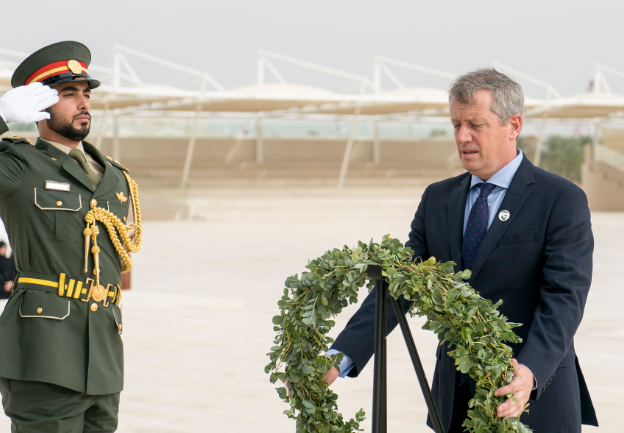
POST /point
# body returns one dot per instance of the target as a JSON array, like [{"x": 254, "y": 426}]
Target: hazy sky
[{"x": 557, "y": 41}]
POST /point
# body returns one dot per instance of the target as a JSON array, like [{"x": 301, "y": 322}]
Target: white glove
[{"x": 24, "y": 104}]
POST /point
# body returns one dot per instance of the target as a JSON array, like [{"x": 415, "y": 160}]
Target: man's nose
[
  {"x": 463, "y": 135},
  {"x": 83, "y": 103}
]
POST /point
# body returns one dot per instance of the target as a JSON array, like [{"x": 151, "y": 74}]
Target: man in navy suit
[{"x": 526, "y": 236}]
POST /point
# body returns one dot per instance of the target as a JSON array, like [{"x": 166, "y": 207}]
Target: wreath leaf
[{"x": 473, "y": 327}]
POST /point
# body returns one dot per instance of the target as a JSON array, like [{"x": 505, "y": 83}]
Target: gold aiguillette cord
[{"x": 113, "y": 225}]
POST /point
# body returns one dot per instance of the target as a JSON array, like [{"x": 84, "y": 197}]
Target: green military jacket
[{"x": 44, "y": 336}]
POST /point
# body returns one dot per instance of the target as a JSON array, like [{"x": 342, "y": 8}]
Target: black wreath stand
[{"x": 380, "y": 419}]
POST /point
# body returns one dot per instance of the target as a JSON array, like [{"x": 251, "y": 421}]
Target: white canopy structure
[
  {"x": 124, "y": 93},
  {"x": 582, "y": 106}
]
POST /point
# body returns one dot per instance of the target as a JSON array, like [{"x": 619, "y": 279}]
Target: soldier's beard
[{"x": 66, "y": 129}]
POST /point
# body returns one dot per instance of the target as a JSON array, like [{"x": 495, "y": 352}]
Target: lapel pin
[{"x": 504, "y": 215}]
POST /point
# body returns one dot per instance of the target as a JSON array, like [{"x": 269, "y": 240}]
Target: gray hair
[{"x": 507, "y": 95}]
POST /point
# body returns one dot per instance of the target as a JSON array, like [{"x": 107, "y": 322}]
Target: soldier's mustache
[{"x": 83, "y": 113}]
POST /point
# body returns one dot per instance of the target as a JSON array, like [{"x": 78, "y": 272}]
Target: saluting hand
[
  {"x": 24, "y": 104},
  {"x": 521, "y": 387}
]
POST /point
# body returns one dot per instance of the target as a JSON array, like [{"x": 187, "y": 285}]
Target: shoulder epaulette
[
  {"x": 116, "y": 163},
  {"x": 17, "y": 139}
]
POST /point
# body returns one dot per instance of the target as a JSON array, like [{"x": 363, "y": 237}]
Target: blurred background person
[{"x": 7, "y": 272}]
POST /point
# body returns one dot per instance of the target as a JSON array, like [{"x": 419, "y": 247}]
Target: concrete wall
[
  {"x": 158, "y": 162},
  {"x": 172, "y": 151},
  {"x": 613, "y": 138},
  {"x": 603, "y": 185}
]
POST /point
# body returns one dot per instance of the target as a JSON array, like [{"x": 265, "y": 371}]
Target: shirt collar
[
  {"x": 64, "y": 148},
  {"x": 503, "y": 176}
]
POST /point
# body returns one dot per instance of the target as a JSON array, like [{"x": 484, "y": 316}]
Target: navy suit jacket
[{"x": 539, "y": 262}]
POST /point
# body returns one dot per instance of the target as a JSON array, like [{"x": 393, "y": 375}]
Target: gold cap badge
[{"x": 75, "y": 67}]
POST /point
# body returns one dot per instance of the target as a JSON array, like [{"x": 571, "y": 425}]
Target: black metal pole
[
  {"x": 383, "y": 286},
  {"x": 420, "y": 372},
  {"x": 380, "y": 379}
]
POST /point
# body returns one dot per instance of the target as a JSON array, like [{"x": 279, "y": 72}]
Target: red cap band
[{"x": 53, "y": 69}]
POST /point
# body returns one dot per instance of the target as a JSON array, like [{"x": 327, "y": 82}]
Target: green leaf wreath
[{"x": 471, "y": 325}]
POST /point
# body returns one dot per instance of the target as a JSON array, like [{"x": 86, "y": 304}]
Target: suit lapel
[
  {"x": 516, "y": 196},
  {"x": 456, "y": 210},
  {"x": 69, "y": 165},
  {"x": 109, "y": 180}
]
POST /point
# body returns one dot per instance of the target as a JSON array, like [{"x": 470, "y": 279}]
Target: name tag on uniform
[{"x": 57, "y": 186}]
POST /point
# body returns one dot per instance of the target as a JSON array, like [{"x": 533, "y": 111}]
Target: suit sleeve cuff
[
  {"x": 345, "y": 365},
  {"x": 534, "y": 379}
]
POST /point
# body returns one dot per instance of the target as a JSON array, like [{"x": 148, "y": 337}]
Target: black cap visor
[{"x": 68, "y": 77}]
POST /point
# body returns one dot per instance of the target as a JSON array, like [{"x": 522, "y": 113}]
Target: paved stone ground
[{"x": 198, "y": 324}]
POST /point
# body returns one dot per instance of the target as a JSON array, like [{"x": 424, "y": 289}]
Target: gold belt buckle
[{"x": 97, "y": 293}]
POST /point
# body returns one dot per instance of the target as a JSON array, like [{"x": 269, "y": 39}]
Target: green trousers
[{"x": 38, "y": 407}]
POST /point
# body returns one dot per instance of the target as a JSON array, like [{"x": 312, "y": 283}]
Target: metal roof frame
[{"x": 127, "y": 93}]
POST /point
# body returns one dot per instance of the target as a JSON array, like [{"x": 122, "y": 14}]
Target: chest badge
[
  {"x": 120, "y": 196},
  {"x": 57, "y": 186},
  {"x": 504, "y": 215}
]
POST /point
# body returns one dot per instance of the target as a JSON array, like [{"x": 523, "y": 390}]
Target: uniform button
[
  {"x": 59, "y": 203},
  {"x": 94, "y": 307},
  {"x": 93, "y": 203},
  {"x": 39, "y": 310}
]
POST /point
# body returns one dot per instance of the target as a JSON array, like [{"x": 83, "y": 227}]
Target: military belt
[{"x": 70, "y": 288}]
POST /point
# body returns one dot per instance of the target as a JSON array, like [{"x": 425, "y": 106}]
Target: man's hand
[
  {"x": 521, "y": 387},
  {"x": 331, "y": 376},
  {"x": 7, "y": 286},
  {"x": 24, "y": 104}
]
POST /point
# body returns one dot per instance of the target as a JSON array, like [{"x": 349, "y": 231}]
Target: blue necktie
[{"x": 476, "y": 228}]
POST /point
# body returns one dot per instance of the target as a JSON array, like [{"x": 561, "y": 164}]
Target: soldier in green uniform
[{"x": 68, "y": 211}]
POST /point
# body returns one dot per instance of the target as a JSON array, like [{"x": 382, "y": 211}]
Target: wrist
[{"x": 529, "y": 371}]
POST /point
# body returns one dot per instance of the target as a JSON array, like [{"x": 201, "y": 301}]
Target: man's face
[
  {"x": 70, "y": 117},
  {"x": 484, "y": 145},
  {"x": 3, "y": 251}
]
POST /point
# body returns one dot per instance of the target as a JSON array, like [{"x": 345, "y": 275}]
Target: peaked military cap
[{"x": 58, "y": 63}]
